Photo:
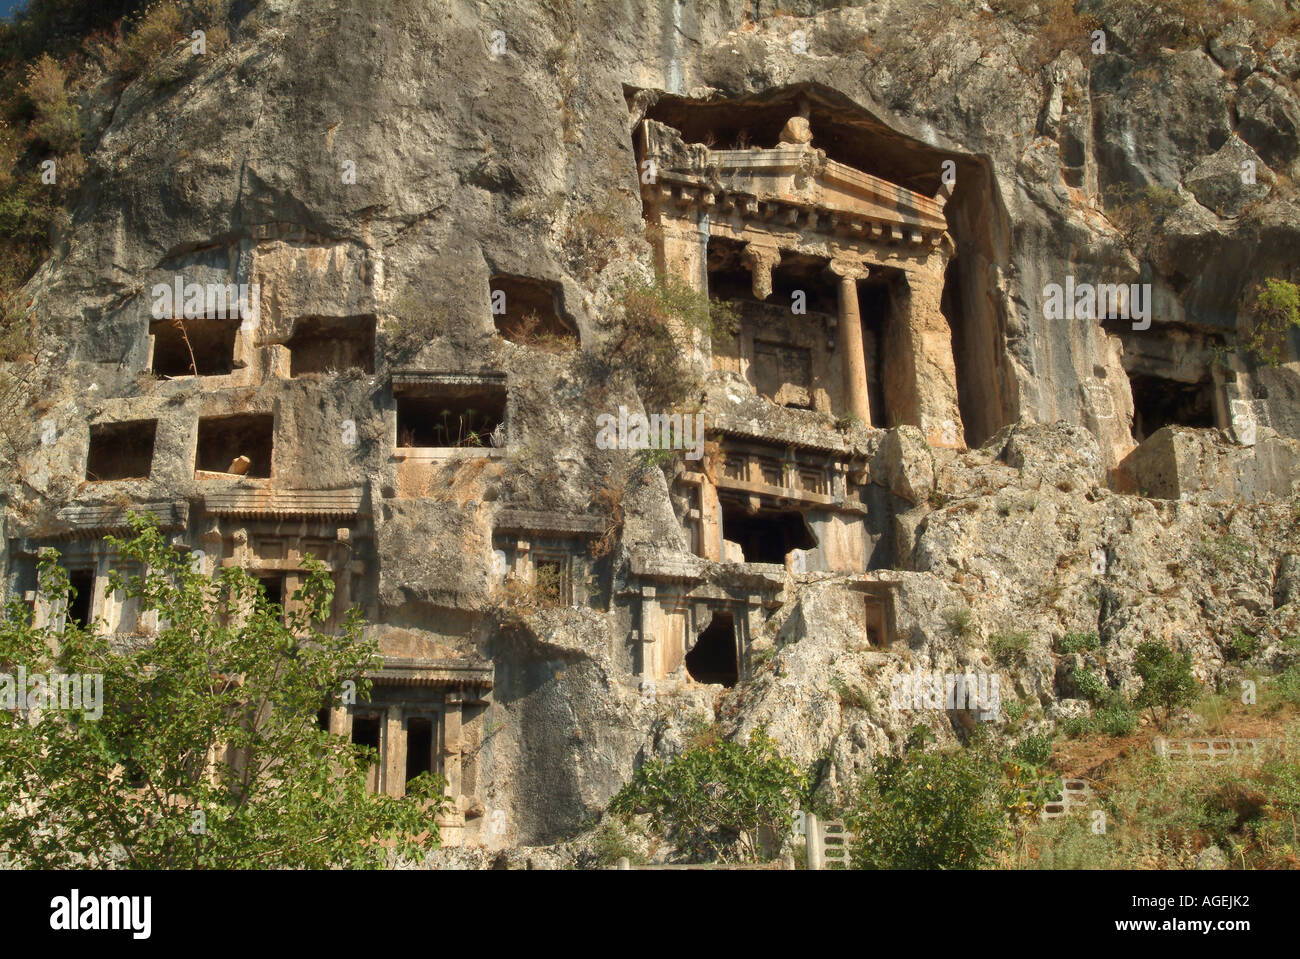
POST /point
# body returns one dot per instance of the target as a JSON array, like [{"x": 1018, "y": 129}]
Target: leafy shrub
[
  {"x": 222, "y": 653},
  {"x": 1090, "y": 686},
  {"x": 714, "y": 799},
  {"x": 1008, "y": 647},
  {"x": 659, "y": 320},
  {"x": 929, "y": 810},
  {"x": 1116, "y": 718},
  {"x": 1035, "y": 749},
  {"x": 610, "y": 844},
  {"x": 959, "y": 621},
  {"x": 1274, "y": 310},
  {"x": 1167, "y": 678},
  {"x": 1139, "y": 214},
  {"x": 55, "y": 121},
  {"x": 1077, "y": 726},
  {"x": 1242, "y": 646},
  {"x": 1286, "y": 685},
  {"x": 156, "y": 30},
  {"x": 1078, "y": 643},
  {"x": 1014, "y": 709}
]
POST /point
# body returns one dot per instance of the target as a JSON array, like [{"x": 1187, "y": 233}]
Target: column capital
[
  {"x": 762, "y": 259},
  {"x": 847, "y": 269}
]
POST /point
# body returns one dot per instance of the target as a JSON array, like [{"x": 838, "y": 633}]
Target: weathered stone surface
[
  {"x": 1269, "y": 118},
  {"x": 905, "y": 464},
  {"x": 1220, "y": 181},
  {"x": 470, "y": 166},
  {"x": 1175, "y": 463}
]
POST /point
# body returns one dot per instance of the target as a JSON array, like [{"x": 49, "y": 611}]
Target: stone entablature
[
  {"x": 436, "y": 674},
  {"x": 792, "y": 185},
  {"x": 94, "y": 522},
  {"x": 548, "y": 523},
  {"x": 284, "y": 504},
  {"x": 789, "y": 474}
]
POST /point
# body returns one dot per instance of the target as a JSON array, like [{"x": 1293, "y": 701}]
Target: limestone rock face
[
  {"x": 1218, "y": 181},
  {"x": 380, "y": 170}
]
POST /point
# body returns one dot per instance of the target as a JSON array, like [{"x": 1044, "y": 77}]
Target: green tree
[
  {"x": 206, "y": 754},
  {"x": 716, "y": 798},
  {"x": 939, "y": 809},
  {"x": 1167, "y": 678},
  {"x": 1274, "y": 313}
]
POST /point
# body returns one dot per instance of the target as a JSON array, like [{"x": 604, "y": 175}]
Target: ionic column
[
  {"x": 852, "y": 357},
  {"x": 761, "y": 260}
]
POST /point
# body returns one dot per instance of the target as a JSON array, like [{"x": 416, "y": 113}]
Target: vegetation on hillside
[{"x": 205, "y": 752}]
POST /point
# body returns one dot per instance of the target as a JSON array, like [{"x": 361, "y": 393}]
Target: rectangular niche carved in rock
[
  {"x": 239, "y": 445},
  {"x": 553, "y": 575},
  {"x": 447, "y": 411},
  {"x": 764, "y": 535},
  {"x": 328, "y": 344},
  {"x": 121, "y": 450},
  {"x": 193, "y": 347},
  {"x": 1160, "y": 402},
  {"x": 526, "y": 311}
]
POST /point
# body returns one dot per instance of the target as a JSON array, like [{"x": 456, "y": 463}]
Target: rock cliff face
[{"x": 377, "y": 172}]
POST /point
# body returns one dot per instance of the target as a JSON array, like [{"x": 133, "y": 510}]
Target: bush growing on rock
[
  {"x": 1167, "y": 678},
  {"x": 930, "y": 810},
  {"x": 717, "y": 798},
  {"x": 656, "y": 316},
  {"x": 1275, "y": 312}
]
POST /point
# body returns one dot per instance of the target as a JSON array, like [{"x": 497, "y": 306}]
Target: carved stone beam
[{"x": 761, "y": 259}]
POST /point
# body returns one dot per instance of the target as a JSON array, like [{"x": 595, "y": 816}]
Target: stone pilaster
[
  {"x": 451, "y": 745},
  {"x": 920, "y": 374},
  {"x": 394, "y": 757}
]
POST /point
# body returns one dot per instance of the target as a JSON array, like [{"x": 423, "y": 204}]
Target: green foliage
[
  {"x": 214, "y": 715},
  {"x": 1090, "y": 686},
  {"x": 1224, "y": 549},
  {"x": 1116, "y": 717},
  {"x": 1077, "y": 726},
  {"x": 1162, "y": 815},
  {"x": 1014, "y": 709},
  {"x": 58, "y": 27},
  {"x": 659, "y": 319},
  {"x": 610, "y": 844},
  {"x": 715, "y": 798},
  {"x": 1274, "y": 310},
  {"x": 929, "y": 810},
  {"x": 55, "y": 120},
  {"x": 156, "y": 29},
  {"x": 1285, "y": 686},
  {"x": 1242, "y": 646},
  {"x": 959, "y": 621},
  {"x": 1034, "y": 749},
  {"x": 1078, "y": 643},
  {"x": 1009, "y": 647},
  {"x": 1167, "y": 677}
]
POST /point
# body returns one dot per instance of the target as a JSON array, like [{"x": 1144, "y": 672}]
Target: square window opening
[{"x": 121, "y": 450}]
